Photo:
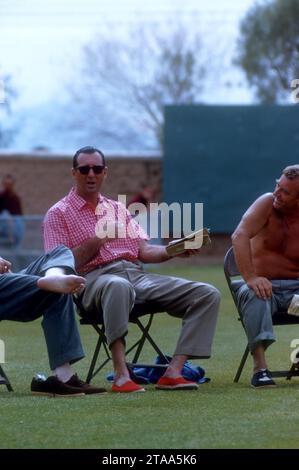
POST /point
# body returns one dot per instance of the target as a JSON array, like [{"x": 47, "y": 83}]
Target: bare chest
[{"x": 281, "y": 235}]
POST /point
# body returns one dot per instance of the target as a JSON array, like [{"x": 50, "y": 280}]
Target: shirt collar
[{"x": 78, "y": 201}]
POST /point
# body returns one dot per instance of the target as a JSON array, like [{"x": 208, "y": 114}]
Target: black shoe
[
  {"x": 52, "y": 387},
  {"x": 262, "y": 378},
  {"x": 84, "y": 386}
]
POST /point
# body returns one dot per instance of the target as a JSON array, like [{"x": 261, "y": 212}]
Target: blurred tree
[
  {"x": 268, "y": 48},
  {"x": 125, "y": 81},
  {"x": 7, "y": 95}
]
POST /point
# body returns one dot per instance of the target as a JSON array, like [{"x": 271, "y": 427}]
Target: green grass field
[{"x": 220, "y": 414}]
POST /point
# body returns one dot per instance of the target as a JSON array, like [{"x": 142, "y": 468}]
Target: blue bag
[
  {"x": 151, "y": 375},
  {"x": 189, "y": 372}
]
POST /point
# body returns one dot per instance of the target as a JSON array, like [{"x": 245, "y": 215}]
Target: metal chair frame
[
  {"x": 4, "y": 380},
  {"x": 140, "y": 309}
]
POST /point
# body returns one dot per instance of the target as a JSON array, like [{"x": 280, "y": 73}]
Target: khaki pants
[{"x": 114, "y": 288}]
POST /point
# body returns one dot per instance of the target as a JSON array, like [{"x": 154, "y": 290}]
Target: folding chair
[
  {"x": 139, "y": 310},
  {"x": 280, "y": 318},
  {"x": 4, "y": 380}
]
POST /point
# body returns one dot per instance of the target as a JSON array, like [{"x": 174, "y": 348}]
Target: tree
[
  {"x": 126, "y": 81},
  {"x": 269, "y": 48},
  {"x": 7, "y": 95}
]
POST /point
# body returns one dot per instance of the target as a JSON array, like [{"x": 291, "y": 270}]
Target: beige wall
[{"x": 42, "y": 179}]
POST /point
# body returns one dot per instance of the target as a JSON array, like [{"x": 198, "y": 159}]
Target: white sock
[
  {"x": 64, "y": 372},
  {"x": 54, "y": 271}
]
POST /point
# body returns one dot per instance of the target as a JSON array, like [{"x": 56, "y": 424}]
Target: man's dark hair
[
  {"x": 9, "y": 176},
  {"x": 291, "y": 172},
  {"x": 89, "y": 150}
]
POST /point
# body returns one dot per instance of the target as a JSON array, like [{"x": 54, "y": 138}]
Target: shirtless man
[{"x": 267, "y": 254}]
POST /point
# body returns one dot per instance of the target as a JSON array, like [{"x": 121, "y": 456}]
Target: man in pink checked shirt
[{"x": 109, "y": 247}]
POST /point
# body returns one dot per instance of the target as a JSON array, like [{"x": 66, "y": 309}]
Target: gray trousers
[
  {"x": 21, "y": 300},
  {"x": 257, "y": 313},
  {"x": 114, "y": 288}
]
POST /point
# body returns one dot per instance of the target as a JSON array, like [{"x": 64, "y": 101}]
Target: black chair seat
[{"x": 139, "y": 310}]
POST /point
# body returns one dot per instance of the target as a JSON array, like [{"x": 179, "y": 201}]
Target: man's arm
[
  {"x": 56, "y": 233},
  {"x": 251, "y": 224},
  {"x": 158, "y": 254},
  {"x": 87, "y": 251},
  {"x": 152, "y": 253}
]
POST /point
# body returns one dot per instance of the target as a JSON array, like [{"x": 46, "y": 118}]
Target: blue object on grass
[{"x": 151, "y": 375}]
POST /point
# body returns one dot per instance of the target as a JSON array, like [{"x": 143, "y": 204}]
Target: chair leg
[
  {"x": 141, "y": 341},
  {"x": 291, "y": 372},
  {"x": 6, "y": 380},
  {"x": 101, "y": 340},
  {"x": 137, "y": 346},
  {"x": 150, "y": 340},
  {"x": 242, "y": 363}
]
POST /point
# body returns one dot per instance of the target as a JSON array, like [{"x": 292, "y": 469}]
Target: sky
[{"x": 40, "y": 41}]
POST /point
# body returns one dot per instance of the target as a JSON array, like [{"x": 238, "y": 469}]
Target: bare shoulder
[
  {"x": 256, "y": 216},
  {"x": 262, "y": 205}
]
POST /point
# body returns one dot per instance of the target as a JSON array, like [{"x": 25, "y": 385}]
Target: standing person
[
  {"x": 11, "y": 220},
  {"x": 147, "y": 214},
  {"x": 43, "y": 288},
  {"x": 145, "y": 196},
  {"x": 115, "y": 277},
  {"x": 267, "y": 254}
]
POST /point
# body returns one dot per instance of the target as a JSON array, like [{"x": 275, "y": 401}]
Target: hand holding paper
[{"x": 194, "y": 241}]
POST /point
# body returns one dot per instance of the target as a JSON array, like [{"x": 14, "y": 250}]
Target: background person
[
  {"x": 146, "y": 214},
  {"x": 11, "y": 220}
]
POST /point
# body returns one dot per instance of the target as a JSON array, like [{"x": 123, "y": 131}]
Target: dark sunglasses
[{"x": 84, "y": 170}]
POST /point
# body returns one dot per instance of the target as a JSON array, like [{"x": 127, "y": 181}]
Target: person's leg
[
  {"x": 59, "y": 257},
  {"x": 196, "y": 303},
  {"x": 257, "y": 320},
  {"x": 22, "y": 300},
  {"x": 64, "y": 347},
  {"x": 55, "y": 280},
  {"x": 113, "y": 298},
  {"x": 57, "y": 271},
  {"x": 256, "y": 315},
  {"x": 61, "y": 332},
  {"x": 18, "y": 229}
]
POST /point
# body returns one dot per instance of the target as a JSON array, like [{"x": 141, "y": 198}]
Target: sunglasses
[{"x": 84, "y": 170}]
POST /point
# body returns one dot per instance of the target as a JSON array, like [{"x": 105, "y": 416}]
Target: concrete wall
[{"x": 42, "y": 178}]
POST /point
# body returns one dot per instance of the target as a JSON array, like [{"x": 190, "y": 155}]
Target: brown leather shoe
[
  {"x": 84, "y": 387},
  {"x": 53, "y": 387}
]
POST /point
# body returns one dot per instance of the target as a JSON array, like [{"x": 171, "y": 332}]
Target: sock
[
  {"x": 54, "y": 271},
  {"x": 64, "y": 372}
]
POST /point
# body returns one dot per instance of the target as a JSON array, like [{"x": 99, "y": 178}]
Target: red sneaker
[
  {"x": 177, "y": 383},
  {"x": 127, "y": 387}
]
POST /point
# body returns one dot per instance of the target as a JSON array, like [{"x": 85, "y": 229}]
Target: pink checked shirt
[{"x": 72, "y": 221}]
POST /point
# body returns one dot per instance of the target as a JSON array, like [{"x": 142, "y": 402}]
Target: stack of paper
[{"x": 194, "y": 241}]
